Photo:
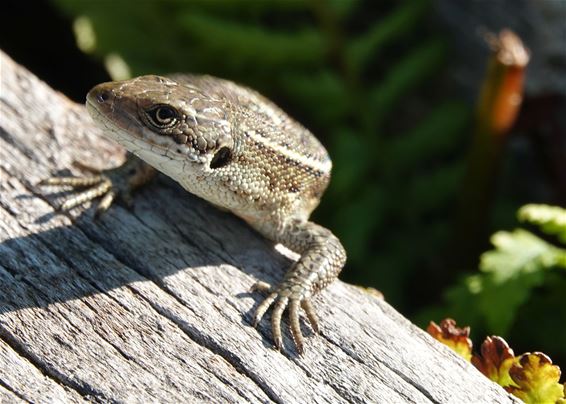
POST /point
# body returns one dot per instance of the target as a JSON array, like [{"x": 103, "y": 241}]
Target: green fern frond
[
  {"x": 417, "y": 65},
  {"x": 368, "y": 46},
  {"x": 437, "y": 134},
  {"x": 256, "y": 47},
  {"x": 323, "y": 94}
]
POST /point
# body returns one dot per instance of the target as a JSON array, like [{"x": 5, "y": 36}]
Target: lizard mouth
[{"x": 106, "y": 118}]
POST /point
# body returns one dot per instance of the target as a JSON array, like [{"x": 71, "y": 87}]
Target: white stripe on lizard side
[{"x": 324, "y": 166}]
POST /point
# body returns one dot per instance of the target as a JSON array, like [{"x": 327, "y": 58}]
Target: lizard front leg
[
  {"x": 322, "y": 259},
  {"x": 118, "y": 182}
]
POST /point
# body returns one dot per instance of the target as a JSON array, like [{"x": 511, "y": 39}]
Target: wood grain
[{"x": 152, "y": 303}]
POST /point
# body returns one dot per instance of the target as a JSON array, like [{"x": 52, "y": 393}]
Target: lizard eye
[
  {"x": 221, "y": 158},
  {"x": 162, "y": 116}
]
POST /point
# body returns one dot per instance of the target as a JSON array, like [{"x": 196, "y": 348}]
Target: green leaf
[
  {"x": 510, "y": 272},
  {"x": 537, "y": 379},
  {"x": 551, "y": 219},
  {"x": 513, "y": 268},
  {"x": 456, "y": 338},
  {"x": 494, "y": 360},
  {"x": 500, "y": 302},
  {"x": 519, "y": 252}
]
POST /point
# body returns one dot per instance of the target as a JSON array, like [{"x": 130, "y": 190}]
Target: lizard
[{"x": 236, "y": 149}]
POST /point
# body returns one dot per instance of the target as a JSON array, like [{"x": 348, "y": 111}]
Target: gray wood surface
[{"x": 151, "y": 304}]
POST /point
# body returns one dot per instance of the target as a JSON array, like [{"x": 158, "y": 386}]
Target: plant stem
[{"x": 497, "y": 109}]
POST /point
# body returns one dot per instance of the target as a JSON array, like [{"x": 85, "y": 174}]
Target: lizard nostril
[{"x": 103, "y": 96}]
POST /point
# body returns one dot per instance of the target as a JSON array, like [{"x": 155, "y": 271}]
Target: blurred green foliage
[
  {"x": 521, "y": 284},
  {"x": 369, "y": 79}
]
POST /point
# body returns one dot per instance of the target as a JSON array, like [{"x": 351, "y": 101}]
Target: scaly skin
[{"x": 234, "y": 148}]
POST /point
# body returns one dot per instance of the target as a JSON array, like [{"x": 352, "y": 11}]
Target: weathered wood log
[{"x": 151, "y": 303}]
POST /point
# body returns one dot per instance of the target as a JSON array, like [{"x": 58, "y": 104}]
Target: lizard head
[{"x": 169, "y": 125}]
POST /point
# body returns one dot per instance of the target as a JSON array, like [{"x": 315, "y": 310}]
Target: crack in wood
[{"x": 84, "y": 390}]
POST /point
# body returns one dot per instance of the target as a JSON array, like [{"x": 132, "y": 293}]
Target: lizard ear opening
[{"x": 222, "y": 157}]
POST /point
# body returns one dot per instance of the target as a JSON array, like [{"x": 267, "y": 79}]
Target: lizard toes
[
  {"x": 283, "y": 301},
  {"x": 105, "y": 203},
  {"x": 311, "y": 314},
  {"x": 294, "y": 324},
  {"x": 276, "y": 321},
  {"x": 262, "y": 308},
  {"x": 90, "y": 194},
  {"x": 261, "y": 286}
]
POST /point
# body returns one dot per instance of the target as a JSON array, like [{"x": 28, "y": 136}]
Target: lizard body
[{"x": 236, "y": 149}]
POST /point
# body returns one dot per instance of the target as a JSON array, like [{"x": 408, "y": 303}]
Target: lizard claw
[
  {"x": 282, "y": 299},
  {"x": 106, "y": 184},
  {"x": 99, "y": 186}
]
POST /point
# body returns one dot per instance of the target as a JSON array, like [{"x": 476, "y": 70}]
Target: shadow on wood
[{"x": 151, "y": 304}]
